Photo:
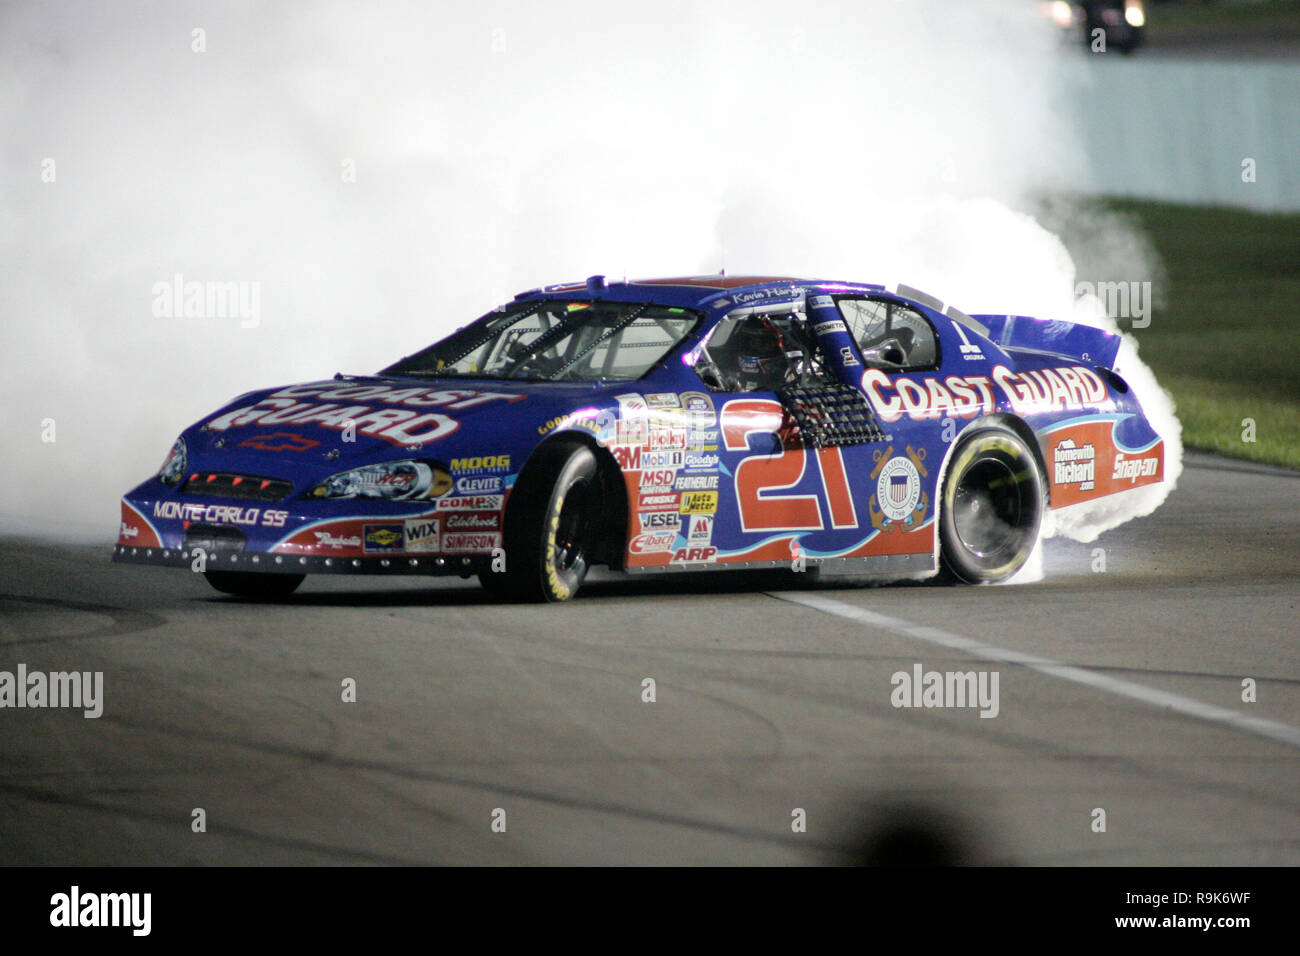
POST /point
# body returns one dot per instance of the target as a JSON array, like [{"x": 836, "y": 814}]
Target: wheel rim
[
  {"x": 990, "y": 510},
  {"x": 571, "y": 533}
]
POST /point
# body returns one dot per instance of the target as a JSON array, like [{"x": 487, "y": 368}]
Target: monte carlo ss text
[{"x": 660, "y": 425}]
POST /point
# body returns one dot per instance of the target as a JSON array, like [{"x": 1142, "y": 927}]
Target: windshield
[{"x": 557, "y": 341}]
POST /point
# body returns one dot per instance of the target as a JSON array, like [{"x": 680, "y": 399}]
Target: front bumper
[{"x": 454, "y": 535}]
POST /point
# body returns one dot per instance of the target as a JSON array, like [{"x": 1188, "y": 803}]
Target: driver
[{"x": 765, "y": 360}]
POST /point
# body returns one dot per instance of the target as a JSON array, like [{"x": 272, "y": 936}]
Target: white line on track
[{"x": 1284, "y": 733}]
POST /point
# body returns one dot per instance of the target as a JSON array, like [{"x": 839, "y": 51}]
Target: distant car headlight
[
  {"x": 391, "y": 481},
  {"x": 1134, "y": 13},
  {"x": 173, "y": 466}
]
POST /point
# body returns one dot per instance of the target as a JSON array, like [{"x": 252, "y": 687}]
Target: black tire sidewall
[{"x": 533, "y": 518}]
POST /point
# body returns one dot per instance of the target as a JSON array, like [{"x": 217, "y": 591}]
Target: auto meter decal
[{"x": 1085, "y": 460}]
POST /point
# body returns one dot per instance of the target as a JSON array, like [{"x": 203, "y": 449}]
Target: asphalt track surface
[{"x": 764, "y": 704}]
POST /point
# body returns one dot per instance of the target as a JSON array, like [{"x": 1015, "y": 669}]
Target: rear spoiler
[{"x": 1070, "y": 339}]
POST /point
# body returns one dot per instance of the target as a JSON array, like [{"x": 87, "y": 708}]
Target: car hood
[{"x": 314, "y": 429}]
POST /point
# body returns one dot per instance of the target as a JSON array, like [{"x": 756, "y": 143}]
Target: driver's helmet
[{"x": 762, "y": 357}]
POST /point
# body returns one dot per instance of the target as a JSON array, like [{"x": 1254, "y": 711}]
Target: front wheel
[
  {"x": 992, "y": 506},
  {"x": 550, "y": 526},
  {"x": 253, "y": 584}
]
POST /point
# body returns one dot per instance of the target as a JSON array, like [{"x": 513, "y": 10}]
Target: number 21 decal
[{"x": 759, "y": 479}]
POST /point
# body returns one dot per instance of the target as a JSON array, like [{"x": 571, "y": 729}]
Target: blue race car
[{"x": 661, "y": 425}]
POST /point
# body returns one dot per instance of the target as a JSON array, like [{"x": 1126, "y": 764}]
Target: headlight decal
[
  {"x": 388, "y": 481},
  {"x": 173, "y": 466}
]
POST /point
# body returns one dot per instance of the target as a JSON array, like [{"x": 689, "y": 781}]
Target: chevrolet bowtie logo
[{"x": 279, "y": 441}]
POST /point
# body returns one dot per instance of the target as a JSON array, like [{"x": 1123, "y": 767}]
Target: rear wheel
[
  {"x": 252, "y": 584},
  {"x": 551, "y": 525},
  {"x": 992, "y": 506}
]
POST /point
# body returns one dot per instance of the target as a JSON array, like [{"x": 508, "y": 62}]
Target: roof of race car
[{"x": 691, "y": 291}]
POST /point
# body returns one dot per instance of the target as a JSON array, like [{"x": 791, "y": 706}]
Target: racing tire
[
  {"x": 253, "y": 584},
  {"x": 992, "y": 505},
  {"x": 550, "y": 523}
]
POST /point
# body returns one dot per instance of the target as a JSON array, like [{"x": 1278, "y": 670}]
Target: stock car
[{"x": 685, "y": 424}]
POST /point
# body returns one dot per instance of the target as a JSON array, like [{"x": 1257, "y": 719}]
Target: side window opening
[
  {"x": 891, "y": 336},
  {"x": 763, "y": 352}
]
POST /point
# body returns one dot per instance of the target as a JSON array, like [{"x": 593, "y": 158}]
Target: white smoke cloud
[{"x": 495, "y": 149}]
